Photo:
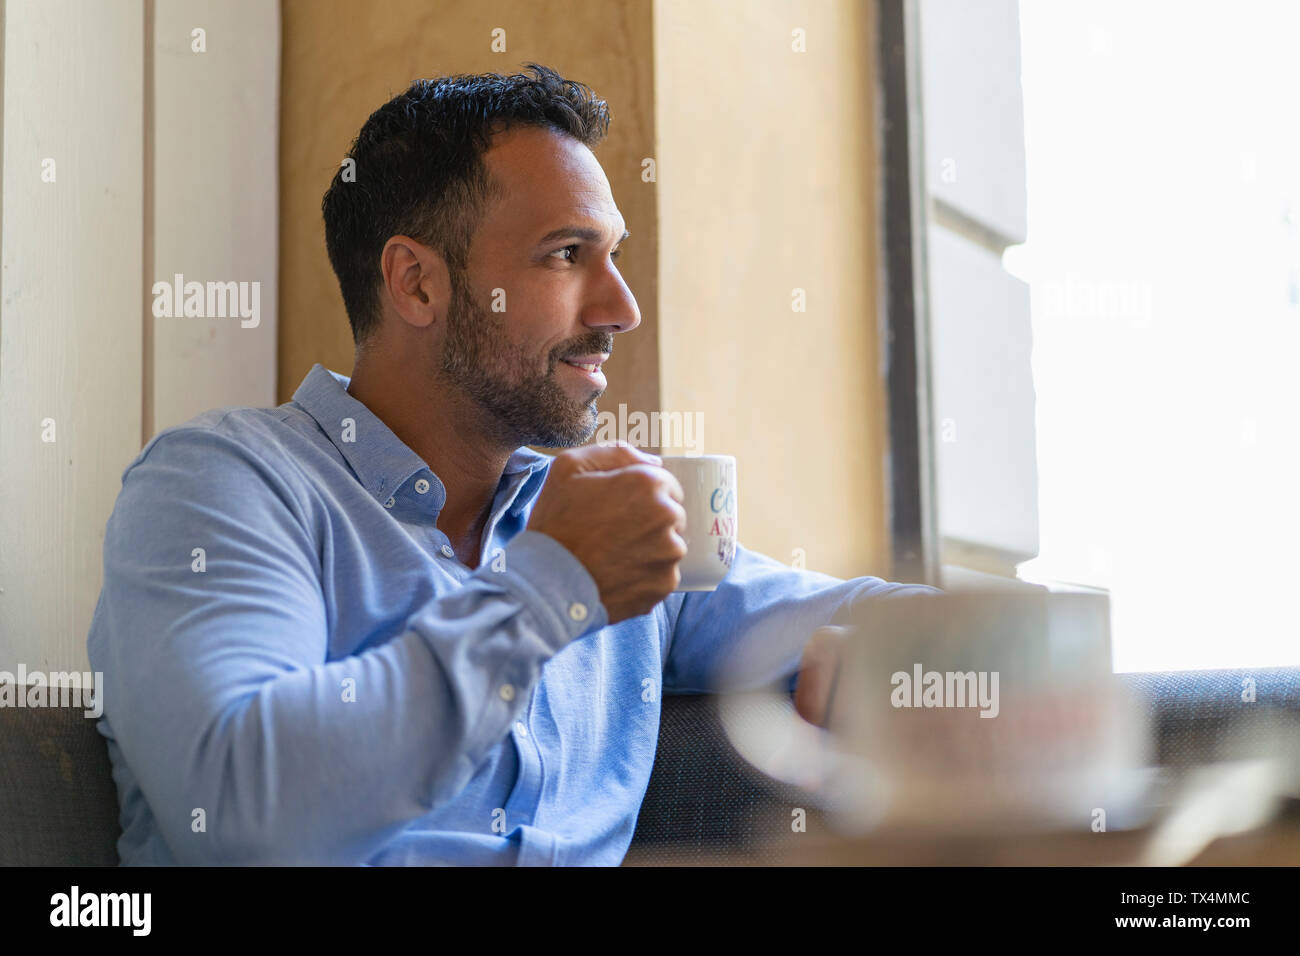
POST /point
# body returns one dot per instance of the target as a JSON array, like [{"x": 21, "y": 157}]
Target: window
[{"x": 1108, "y": 266}]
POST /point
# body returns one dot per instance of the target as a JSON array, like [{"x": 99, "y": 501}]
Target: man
[{"x": 370, "y": 626}]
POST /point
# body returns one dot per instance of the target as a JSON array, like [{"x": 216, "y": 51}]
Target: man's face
[{"x": 541, "y": 288}]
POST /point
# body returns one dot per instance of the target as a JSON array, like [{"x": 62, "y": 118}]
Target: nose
[{"x": 614, "y": 306}]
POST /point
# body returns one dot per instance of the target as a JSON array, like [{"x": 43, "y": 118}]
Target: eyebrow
[{"x": 577, "y": 232}]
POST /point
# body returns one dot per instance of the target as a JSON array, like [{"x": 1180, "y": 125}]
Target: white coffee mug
[{"x": 709, "y": 483}]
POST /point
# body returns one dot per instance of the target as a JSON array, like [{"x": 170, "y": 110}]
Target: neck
[{"x": 445, "y": 429}]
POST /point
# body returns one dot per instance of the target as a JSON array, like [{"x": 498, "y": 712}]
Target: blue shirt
[{"x": 298, "y": 669}]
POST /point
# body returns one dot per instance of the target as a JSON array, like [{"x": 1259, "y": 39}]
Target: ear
[{"x": 416, "y": 279}]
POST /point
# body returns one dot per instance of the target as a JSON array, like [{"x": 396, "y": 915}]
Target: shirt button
[
  {"x": 421, "y": 486},
  {"x": 521, "y": 729},
  {"x": 578, "y": 611},
  {"x": 447, "y": 552},
  {"x": 390, "y": 502},
  {"x": 507, "y": 692}
]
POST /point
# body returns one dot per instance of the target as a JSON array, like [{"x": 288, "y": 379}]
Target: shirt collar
[{"x": 381, "y": 461}]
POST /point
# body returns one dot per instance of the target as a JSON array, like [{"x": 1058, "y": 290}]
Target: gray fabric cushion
[
  {"x": 1199, "y": 716},
  {"x": 704, "y": 797},
  {"x": 58, "y": 802}
]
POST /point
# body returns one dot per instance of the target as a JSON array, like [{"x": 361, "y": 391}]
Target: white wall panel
[
  {"x": 215, "y": 201},
  {"x": 70, "y": 330},
  {"x": 188, "y": 179}
]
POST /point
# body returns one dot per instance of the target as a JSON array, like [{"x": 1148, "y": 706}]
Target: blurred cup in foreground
[{"x": 986, "y": 711}]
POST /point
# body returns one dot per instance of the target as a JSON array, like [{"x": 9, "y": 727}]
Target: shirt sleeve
[
  {"x": 219, "y": 689},
  {"x": 751, "y": 631}
]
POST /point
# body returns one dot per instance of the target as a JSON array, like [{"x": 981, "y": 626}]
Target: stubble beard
[{"x": 520, "y": 404}]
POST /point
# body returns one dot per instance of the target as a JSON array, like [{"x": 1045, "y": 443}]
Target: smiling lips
[{"x": 588, "y": 363}]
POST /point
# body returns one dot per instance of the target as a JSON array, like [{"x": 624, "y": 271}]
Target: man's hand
[
  {"x": 818, "y": 670},
  {"x": 619, "y": 513}
]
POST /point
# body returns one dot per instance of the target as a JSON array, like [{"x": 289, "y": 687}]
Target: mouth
[{"x": 588, "y": 366}]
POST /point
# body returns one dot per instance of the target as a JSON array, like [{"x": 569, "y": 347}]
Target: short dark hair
[{"x": 419, "y": 170}]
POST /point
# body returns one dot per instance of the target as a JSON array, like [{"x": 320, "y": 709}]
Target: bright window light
[{"x": 1164, "y": 264}]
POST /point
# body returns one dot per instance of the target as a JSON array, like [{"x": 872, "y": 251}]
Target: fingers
[
  {"x": 641, "y": 481},
  {"x": 603, "y": 458},
  {"x": 818, "y": 672},
  {"x": 675, "y": 490},
  {"x": 828, "y": 634},
  {"x": 653, "y": 479},
  {"x": 677, "y": 542}
]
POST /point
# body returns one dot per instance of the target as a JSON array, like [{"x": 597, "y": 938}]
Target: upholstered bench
[{"x": 58, "y": 801}]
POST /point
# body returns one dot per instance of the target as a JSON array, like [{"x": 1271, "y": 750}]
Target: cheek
[
  {"x": 528, "y": 358},
  {"x": 547, "y": 317},
  {"x": 533, "y": 332}
]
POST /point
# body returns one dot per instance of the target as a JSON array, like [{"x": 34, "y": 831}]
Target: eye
[{"x": 573, "y": 248}]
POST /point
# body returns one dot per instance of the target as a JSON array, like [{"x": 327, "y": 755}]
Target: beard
[{"x": 521, "y": 403}]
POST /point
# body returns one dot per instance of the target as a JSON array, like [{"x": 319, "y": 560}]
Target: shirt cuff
[{"x": 550, "y": 581}]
